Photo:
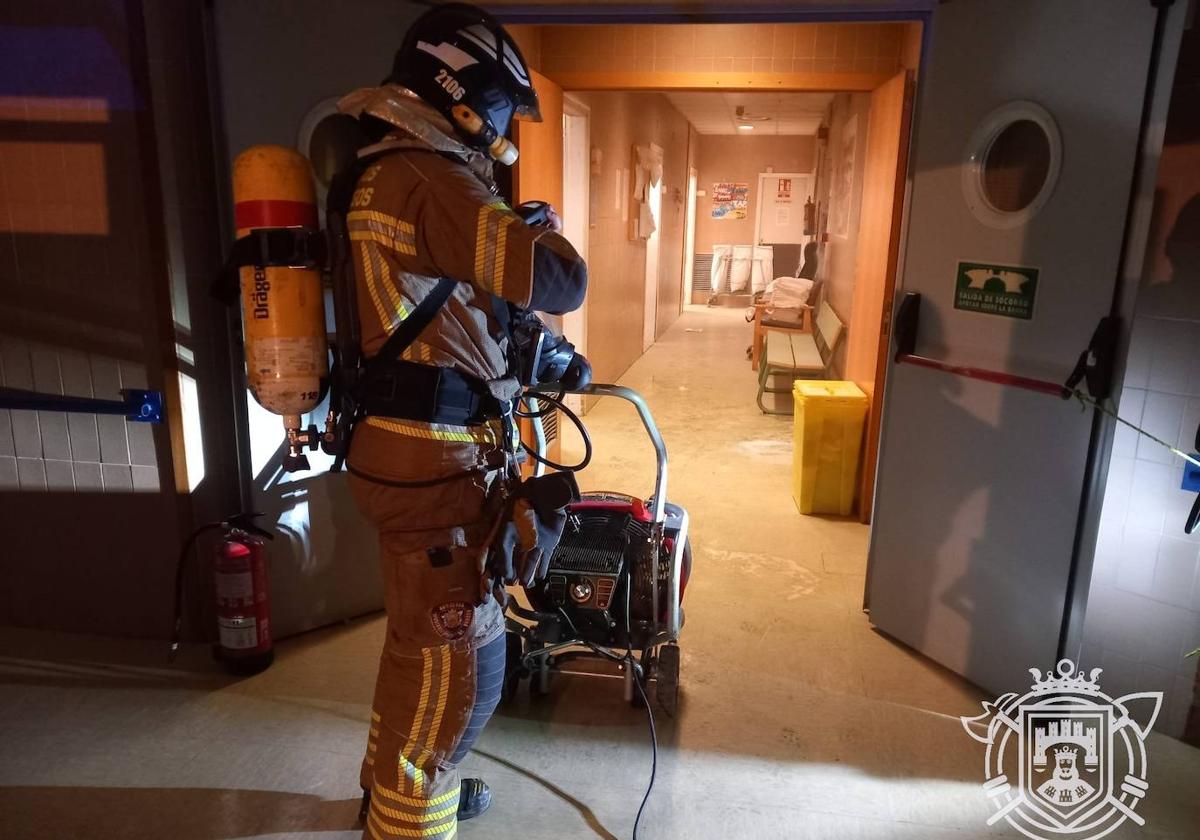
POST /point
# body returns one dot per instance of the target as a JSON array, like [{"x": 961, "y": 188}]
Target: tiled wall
[
  {"x": 759, "y": 48},
  {"x": 44, "y": 450},
  {"x": 180, "y": 98},
  {"x": 83, "y": 311},
  {"x": 49, "y": 187},
  {"x": 75, "y": 317},
  {"x": 1143, "y": 612}
]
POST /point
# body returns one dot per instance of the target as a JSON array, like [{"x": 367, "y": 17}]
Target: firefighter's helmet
[{"x": 460, "y": 60}]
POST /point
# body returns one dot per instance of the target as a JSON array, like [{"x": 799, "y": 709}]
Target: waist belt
[
  {"x": 428, "y": 394},
  {"x": 393, "y": 387}
]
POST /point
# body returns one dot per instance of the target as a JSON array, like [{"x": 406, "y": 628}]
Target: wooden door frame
[
  {"x": 729, "y": 11},
  {"x": 874, "y": 425}
]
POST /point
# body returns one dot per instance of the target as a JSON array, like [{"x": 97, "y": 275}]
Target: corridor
[{"x": 797, "y": 720}]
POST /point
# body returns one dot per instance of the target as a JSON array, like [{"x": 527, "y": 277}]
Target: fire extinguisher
[
  {"x": 243, "y": 605},
  {"x": 810, "y": 218}
]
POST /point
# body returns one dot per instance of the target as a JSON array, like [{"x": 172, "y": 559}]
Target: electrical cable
[
  {"x": 556, "y": 401},
  {"x": 545, "y": 412},
  {"x": 180, "y": 566},
  {"x": 574, "y": 418},
  {"x": 1087, "y": 400},
  {"x": 632, "y": 665}
]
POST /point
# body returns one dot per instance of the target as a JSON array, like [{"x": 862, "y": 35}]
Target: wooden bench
[
  {"x": 799, "y": 355},
  {"x": 799, "y": 320}
]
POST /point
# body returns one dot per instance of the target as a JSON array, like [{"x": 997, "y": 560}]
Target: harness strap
[
  {"x": 405, "y": 334},
  {"x": 429, "y": 394},
  {"x": 268, "y": 247}
]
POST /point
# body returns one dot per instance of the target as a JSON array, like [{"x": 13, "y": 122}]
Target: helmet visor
[{"x": 528, "y": 112}]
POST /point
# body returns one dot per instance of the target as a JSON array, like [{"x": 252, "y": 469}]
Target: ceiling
[{"x": 787, "y": 113}]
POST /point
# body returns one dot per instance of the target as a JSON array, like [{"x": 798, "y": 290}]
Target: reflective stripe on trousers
[
  {"x": 414, "y": 786},
  {"x": 432, "y": 544}
]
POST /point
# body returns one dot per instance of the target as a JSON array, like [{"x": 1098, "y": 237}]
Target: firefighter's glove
[{"x": 534, "y": 524}]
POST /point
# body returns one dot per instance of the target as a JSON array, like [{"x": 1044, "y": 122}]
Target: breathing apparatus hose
[
  {"x": 557, "y": 402},
  {"x": 180, "y": 568}
]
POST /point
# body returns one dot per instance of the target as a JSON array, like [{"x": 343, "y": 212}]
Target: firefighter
[{"x": 430, "y": 461}]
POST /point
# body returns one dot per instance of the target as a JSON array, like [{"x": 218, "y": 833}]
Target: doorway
[
  {"x": 826, "y": 163},
  {"x": 576, "y": 212},
  {"x": 720, "y": 149},
  {"x": 689, "y": 233},
  {"x": 653, "y": 243},
  {"x": 779, "y": 217}
]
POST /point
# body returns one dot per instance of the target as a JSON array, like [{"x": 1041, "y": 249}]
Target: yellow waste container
[{"x": 828, "y": 440}]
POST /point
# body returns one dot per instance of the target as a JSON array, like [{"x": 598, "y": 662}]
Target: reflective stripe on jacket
[{"x": 419, "y": 213}]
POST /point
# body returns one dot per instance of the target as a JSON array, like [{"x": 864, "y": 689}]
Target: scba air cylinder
[{"x": 283, "y": 308}]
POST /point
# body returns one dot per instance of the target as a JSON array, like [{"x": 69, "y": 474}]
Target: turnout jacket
[{"x": 425, "y": 208}]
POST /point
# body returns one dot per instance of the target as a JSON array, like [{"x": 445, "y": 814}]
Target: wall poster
[
  {"x": 842, "y": 185},
  {"x": 730, "y": 199},
  {"x": 783, "y": 198}
]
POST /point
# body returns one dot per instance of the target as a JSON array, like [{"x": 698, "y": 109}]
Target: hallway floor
[{"x": 797, "y": 720}]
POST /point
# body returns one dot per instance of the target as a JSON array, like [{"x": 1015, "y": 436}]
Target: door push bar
[
  {"x": 1094, "y": 366},
  {"x": 135, "y": 405}
]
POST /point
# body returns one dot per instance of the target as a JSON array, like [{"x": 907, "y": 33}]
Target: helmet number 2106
[{"x": 451, "y": 85}]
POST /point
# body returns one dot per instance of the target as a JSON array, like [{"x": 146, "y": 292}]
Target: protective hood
[{"x": 418, "y": 125}]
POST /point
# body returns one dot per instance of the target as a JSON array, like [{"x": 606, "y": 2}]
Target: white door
[
  {"x": 652, "y": 244},
  {"x": 979, "y": 485},
  {"x": 575, "y": 214},
  {"x": 689, "y": 236},
  {"x": 779, "y": 219}
]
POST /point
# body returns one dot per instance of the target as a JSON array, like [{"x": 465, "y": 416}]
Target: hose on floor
[
  {"x": 180, "y": 567},
  {"x": 631, "y": 664}
]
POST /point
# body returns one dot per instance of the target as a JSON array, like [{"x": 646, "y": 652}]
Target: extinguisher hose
[{"x": 180, "y": 568}]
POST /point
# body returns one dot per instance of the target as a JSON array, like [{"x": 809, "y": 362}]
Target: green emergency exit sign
[{"x": 991, "y": 289}]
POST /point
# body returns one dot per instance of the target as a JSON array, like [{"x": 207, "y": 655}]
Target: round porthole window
[
  {"x": 330, "y": 140},
  {"x": 1012, "y": 164}
]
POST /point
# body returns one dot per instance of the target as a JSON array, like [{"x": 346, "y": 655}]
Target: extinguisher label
[
  {"x": 238, "y": 633},
  {"x": 238, "y": 586}
]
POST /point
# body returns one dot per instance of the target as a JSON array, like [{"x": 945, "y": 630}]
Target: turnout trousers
[{"x": 442, "y": 665}]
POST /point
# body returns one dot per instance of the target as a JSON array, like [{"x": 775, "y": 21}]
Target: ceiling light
[
  {"x": 745, "y": 127},
  {"x": 743, "y": 117}
]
